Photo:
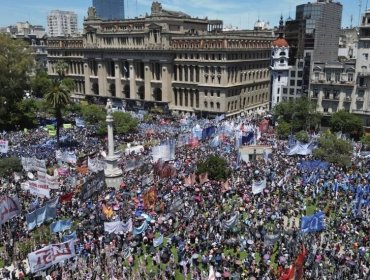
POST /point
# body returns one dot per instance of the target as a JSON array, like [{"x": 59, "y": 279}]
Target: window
[
  {"x": 292, "y": 83},
  {"x": 279, "y": 78},
  {"x": 292, "y": 74},
  {"x": 300, "y": 74},
  {"x": 285, "y": 91}
]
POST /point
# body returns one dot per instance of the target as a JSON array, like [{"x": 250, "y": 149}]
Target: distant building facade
[
  {"x": 110, "y": 9},
  {"x": 168, "y": 60},
  {"x": 62, "y": 23}
]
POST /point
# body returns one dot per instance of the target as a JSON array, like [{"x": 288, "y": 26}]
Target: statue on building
[
  {"x": 109, "y": 107},
  {"x": 91, "y": 12},
  {"x": 156, "y": 8}
]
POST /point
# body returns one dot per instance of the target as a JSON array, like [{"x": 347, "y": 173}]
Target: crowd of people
[{"x": 192, "y": 227}]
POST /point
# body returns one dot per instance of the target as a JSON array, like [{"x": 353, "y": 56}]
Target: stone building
[{"x": 168, "y": 60}]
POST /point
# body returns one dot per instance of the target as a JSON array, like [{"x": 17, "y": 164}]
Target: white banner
[
  {"x": 50, "y": 255},
  {"x": 9, "y": 208},
  {"x": 118, "y": 227},
  {"x": 3, "y": 146},
  {"x": 258, "y": 186},
  {"x": 39, "y": 189},
  {"x": 51, "y": 181},
  {"x": 66, "y": 156},
  {"x": 95, "y": 165},
  {"x": 30, "y": 164}
]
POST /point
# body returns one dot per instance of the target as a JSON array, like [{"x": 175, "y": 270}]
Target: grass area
[{"x": 1, "y": 260}]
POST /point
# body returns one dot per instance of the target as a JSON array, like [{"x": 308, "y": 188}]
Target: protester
[{"x": 264, "y": 222}]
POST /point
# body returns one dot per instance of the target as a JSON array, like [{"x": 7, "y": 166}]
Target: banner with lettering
[
  {"x": 3, "y": 146},
  {"x": 51, "y": 181},
  {"x": 39, "y": 189},
  {"x": 33, "y": 164},
  {"x": 95, "y": 183},
  {"x": 50, "y": 255},
  {"x": 66, "y": 156},
  {"x": 9, "y": 208}
]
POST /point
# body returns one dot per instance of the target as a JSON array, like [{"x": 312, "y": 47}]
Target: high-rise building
[
  {"x": 62, "y": 23},
  {"x": 314, "y": 35},
  {"x": 168, "y": 60},
  {"x": 109, "y": 9}
]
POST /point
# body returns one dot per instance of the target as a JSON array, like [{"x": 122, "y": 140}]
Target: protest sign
[
  {"x": 9, "y": 208},
  {"x": 4, "y": 146},
  {"x": 92, "y": 185}
]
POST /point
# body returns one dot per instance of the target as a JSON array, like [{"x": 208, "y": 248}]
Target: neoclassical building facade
[{"x": 168, "y": 60}]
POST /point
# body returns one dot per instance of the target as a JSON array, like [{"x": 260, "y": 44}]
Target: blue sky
[{"x": 241, "y": 13}]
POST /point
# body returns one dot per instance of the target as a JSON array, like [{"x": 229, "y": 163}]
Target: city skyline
[{"x": 241, "y": 14}]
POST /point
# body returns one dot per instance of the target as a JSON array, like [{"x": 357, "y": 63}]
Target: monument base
[
  {"x": 113, "y": 174},
  {"x": 113, "y": 182}
]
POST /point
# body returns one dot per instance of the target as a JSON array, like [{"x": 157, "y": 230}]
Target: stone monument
[{"x": 113, "y": 174}]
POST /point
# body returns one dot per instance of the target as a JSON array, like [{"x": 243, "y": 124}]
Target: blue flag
[
  {"x": 158, "y": 241},
  {"x": 313, "y": 223},
  {"x": 60, "y": 225},
  {"x": 71, "y": 236}
]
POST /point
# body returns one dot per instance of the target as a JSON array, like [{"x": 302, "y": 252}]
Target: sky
[{"x": 240, "y": 13}]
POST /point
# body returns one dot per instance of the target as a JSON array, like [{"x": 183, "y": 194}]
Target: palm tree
[{"x": 58, "y": 96}]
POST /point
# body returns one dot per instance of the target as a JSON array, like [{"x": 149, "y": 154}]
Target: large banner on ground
[
  {"x": 33, "y": 164},
  {"x": 50, "y": 255},
  {"x": 39, "y": 189},
  {"x": 9, "y": 208},
  {"x": 92, "y": 185},
  {"x": 3, "y": 146}
]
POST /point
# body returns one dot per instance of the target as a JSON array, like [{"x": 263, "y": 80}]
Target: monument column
[
  {"x": 113, "y": 174},
  {"x": 133, "y": 91},
  {"x": 147, "y": 80}
]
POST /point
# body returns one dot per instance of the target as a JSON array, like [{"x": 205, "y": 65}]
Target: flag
[
  {"x": 203, "y": 178},
  {"x": 299, "y": 273},
  {"x": 60, "y": 225},
  {"x": 211, "y": 275},
  {"x": 193, "y": 178},
  {"x": 258, "y": 186},
  {"x": 193, "y": 142},
  {"x": 66, "y": 197},
  {"x": 158, "y": 241},
  {"x": 215, "y": 141},
  {"x": 107, "y": 211},
  {"x": 187, "y": 180},
  {"x": 225, "y": 186},
  {"x": 313, "y": 223}
]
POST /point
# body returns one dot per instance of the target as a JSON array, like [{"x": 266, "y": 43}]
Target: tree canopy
[
  {"x": 15, "y": 64},
  {"x": 215, "y": 166},
  {"x": 40, "y": 84},
  {"x": 299, "y": 113},
  {"x": 347, "y": 123},
  {"x": 333, "y": 149}
]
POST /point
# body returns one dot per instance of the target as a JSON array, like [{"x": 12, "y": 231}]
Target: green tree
[
  {"x": 24, "y": 114},
  {"x": 123, "y": 123},
  {"x": 283, "y": 129},
  {"x": 365, "y": 140},
  {"x": 216, "y": 167},
  {"x": 40, "y": 84},
  {"x": 302, "y": 136},
  {"x": 58, "y": 96},
  {"x": 333, "y": 150},
  {"x": 300, "y": 113},
  {"x": 93, "y": 114},
  {"x": 9, "y": 165},
  {"x": 15, "y": 64},
  {"x": 347, "y": 123}
]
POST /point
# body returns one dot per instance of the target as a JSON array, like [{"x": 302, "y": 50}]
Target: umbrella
[
  {"x": 250, "y": 241},
  {"x": 266, "y": 256},
  {"x": 195, "y": 256}
]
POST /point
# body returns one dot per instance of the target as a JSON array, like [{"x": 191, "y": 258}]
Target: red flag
[
  {"x": 263, "y": 125},
  {"x": 299, "y": 262},
  {"x": 288, "y": 274},
  {"x": 66, "y": 197}
]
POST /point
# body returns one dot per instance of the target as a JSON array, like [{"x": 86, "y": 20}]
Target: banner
[
  {"x": 66, "y": 156},
  {"x": 60, "y": 225},
  {"x": 67, "y": 125},
  {"x": 50, "y": 255},
  {"x": 66, "y": 197},
  {"x": 95, "y": 183},
  {"x": 51, "y": 181},
  {"x": 164, "y": 152},
  {"x": 95, "y": 165},
  {"x": 68, "y": 237},
  {"x": 40, "y": 215},
  {"x": 39, "y": 189},
  {"x": 313, "y": 223},
  {"x": 258, "y": 186},
  {"x": 9, "y": 208},
  {"x": 231, "y": 222},
  {"x": 33, "y": 164},
  {"x": 52, "y": 132},
  {"x": 118, "y": 227},
  {"x": 301, "y": 149},
  {"x": 4, "y": 146},
  {"x": 141, "y": 229}
]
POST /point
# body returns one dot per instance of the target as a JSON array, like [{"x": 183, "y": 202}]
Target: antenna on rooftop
[
  {"x": 351, "y": 21},
  {"x": 359, "y": 11}
]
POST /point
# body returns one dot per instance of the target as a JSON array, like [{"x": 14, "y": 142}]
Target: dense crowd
[{"x": 210, "y": 229}]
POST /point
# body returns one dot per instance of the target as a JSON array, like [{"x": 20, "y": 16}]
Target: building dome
[{"x": 280, "y": 43}]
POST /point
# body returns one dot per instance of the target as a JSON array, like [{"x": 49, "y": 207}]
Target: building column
[
  {"x": 117, "y": 75},
  {"x": 147, "y": 81},
  {"x": 133, "y": 93},
  {"x": 201, "y": 74},
  {"x": 319, "y": 100},
  {"x": 167, "y": 70},
  {"x": 87, "y": 78},
  {"x": 102, "y": 78}
]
